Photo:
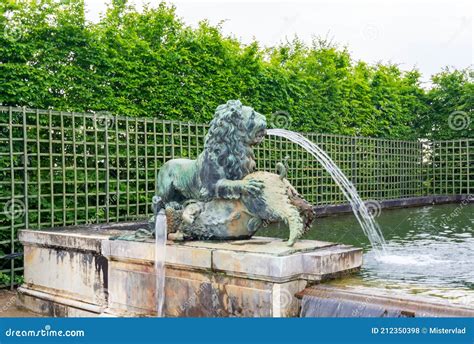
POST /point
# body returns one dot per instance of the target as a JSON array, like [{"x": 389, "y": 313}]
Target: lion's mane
[{"x": 226, "y": 144}]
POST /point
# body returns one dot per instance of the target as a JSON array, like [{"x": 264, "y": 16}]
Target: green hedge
[{"x": 150, "y": 64}]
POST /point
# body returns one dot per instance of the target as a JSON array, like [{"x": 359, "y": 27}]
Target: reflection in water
[{"x": 429, "y": 251}]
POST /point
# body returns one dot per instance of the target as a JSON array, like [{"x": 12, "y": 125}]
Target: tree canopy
[{"x": 149, "y": 63}]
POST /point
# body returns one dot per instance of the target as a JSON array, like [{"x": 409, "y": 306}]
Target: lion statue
[
  {"x": 228, "y": 157},
  {"x": 219, "y": 195}
]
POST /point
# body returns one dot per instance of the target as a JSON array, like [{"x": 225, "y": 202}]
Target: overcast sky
[{"x": 426, "y": 34}]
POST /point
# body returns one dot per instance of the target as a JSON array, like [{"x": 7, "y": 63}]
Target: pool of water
[{"x": 430, "y": 250}]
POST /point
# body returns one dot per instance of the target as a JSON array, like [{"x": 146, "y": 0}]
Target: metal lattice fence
[
  {"x": 64, "y": 168},
  {"x": 380, "y": 169}
]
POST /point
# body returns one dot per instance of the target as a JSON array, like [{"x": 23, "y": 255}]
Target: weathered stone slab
[
  {"x": 81, "y": 271},
  {"x": 145, "y": 251},
  {"x": 254, "y": 277},
  {"x": 259, "y": 266},
  {"x": 270, "y": 246},
  {"x": 257, "y": 258},
  {"x": 53, "y": 305},
  {"x": 332, "y": 260},
  {"x": 64, "y": 270}
]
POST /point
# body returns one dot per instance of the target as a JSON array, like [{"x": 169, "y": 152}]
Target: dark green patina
[{"x": 219, "y": 195}]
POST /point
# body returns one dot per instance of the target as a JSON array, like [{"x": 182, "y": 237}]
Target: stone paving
[{"x": 8, "y": 307}]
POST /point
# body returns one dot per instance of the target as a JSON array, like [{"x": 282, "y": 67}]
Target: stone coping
[
  {"x": 256, "y": 258},
  {"x": 80, "y": 238}
]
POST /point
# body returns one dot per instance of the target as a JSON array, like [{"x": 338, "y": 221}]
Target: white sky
[{"x": 427, "y": 34}]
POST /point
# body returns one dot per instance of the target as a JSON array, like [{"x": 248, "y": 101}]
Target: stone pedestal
[
  {"x": 75, "y": 272},
  {"x": 65, "y": 272}
]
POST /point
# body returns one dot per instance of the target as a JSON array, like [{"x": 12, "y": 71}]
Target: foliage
[
  {"x": 150, "y": 63},
  {"x": 451, "y": 103},
  {"x": 5, "y": 279}
]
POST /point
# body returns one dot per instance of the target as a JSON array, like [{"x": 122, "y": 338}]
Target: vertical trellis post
[
  {"x": 63, "y": 166},
  {"x": 38, "y": 167},
  {"x": 25, "y": 167},
  {"x": 12, "y": 213},
  {"x": 74, "y": 165},
  {"x": 107, "y": 169},
  {"x": 468, "y": 162},
  {"x": 51, "y": 165}
]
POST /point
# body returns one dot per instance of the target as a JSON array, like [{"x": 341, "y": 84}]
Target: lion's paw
[{"x": 253, "y": 187}]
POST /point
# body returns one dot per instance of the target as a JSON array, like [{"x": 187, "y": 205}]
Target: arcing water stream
[{"x": 369, "y": 226}]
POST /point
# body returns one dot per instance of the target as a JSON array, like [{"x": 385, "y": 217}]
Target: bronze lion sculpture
[
  {"x": 219, "y": 195},
  {"x": 227, "y": 158}
]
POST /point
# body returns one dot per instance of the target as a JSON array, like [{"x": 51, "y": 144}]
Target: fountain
[
  {"x": 199, "y": 256},
  {"x": 219, "y": 196}
]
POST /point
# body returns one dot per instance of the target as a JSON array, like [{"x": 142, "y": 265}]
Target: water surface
[{"x": 430, "y": 250}]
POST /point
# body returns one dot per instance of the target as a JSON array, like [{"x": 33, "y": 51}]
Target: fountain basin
[{"x": 84, "y": 272}]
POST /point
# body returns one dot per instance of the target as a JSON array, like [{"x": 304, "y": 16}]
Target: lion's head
[{"x": 228, "y": 144}]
